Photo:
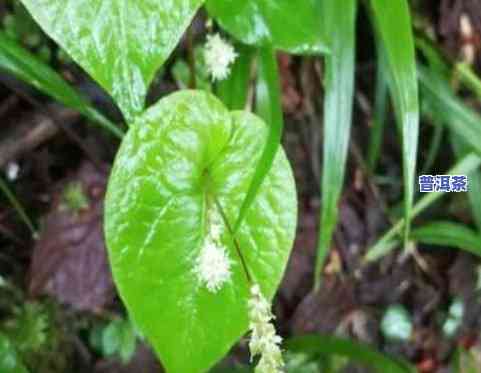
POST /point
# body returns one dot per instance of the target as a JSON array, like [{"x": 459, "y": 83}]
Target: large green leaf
[
  {"x": 180, "y": 155},
  {"x": 293, "y": 26},
  {"x": 25, "y": 66},
  {"x": 340, "y": 18},
  {"x": 120, "y": 43},
  {"x": 393, "y": 24},
  {"x": 9, "y": 361}
]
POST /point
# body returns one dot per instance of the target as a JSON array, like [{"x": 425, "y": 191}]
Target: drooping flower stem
[{"x": 234, "y": 239}]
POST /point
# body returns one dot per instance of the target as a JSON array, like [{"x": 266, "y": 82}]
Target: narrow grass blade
[
  {"x": 340, "y": 24},
  {"x": 233, "y": 91},
  {"x": 388, "y": 241},
  {"x": 10, "y": 196},
  {"x": 19, "y": 62},
  {"x": 393, "y": 23},
  {"x": 469, "y": 78},
  {"x": 448, "y": 109},
  {"x": 445, "y": 233},
  {"x": 268, "y": 106},
  {"x": 474, "y": 180},
  {"x": 356, "y": 352},
  {"x": 381, "y": 101}
]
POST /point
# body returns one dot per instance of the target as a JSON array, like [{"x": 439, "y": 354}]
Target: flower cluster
[
  {"x": 213, "y": 267},
  {"x": 219, "y": 55},
  {"x": 264, "y": 340}
]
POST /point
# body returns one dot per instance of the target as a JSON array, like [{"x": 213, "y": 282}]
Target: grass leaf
[
  {"x": 445, "y": 233},
  {"x": 393, "y": 23},
  {"x": 340, "y": 22},
  {"x": 388, "y": 241},
  {"x": 268, "y": 106},
  {"x": 448, "y": 109},
  {"x": 19, "y": 62},
  {"x": 328, "y": 345}
]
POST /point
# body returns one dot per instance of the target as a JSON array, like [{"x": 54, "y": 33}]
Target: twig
[{"x": 33, "y": 131}]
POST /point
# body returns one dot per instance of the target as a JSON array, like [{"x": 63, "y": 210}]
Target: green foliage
[
  {"x": 282, "y": 24},
  {"x": 9, "y": 360},
  {"x": 396, "y": 324},
  {"x": 449, "y": 234},
  {"x": 118, "y": 338},
  {"x": 268, "y": 107},
  {"x": 393, "y": 25},
  {"x": 448, "y": 109},
  {"x": 74, "y": 198},
  {"x": 389, "y": 241},
  {"x": 25, "y": 66},
  {"x": 120, "y": 44},
  {"x": 340, "y": 22},
  {"x": 182, "y": 74},
  {"x": 356, "y": 352},
  {"x": 181, "y": 156},
  {"x": 233, "y": 91},
  {"x": 28, "y": 328}
]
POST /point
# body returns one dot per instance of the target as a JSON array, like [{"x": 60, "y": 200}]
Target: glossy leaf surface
[
  {"x": 182, "y": 153},
  {"x": 120, "y": 43},
  {"x": 293, "y": 26}
]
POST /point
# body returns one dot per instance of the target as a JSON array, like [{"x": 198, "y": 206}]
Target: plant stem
[{"x": 234, "y": 239}]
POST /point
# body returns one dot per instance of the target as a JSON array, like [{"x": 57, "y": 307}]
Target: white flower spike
[
  {"x": 264, "y": 340},
  {"x": 219, "y": 55},
  {"x": 213, "y": 267}
]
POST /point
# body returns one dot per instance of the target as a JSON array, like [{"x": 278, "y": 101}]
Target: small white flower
[
  {"x": 264, "y": 340},
  {"x": 219, "y": 55},
  {"x": 213, "y": 266},
  {"x": 12, "y": 171}
]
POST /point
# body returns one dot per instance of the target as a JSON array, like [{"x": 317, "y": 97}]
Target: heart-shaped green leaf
[
  {"x": 120, "y": 43},
  {"x": 181, "y": 155},
  {"x": 293, "y": 26}
]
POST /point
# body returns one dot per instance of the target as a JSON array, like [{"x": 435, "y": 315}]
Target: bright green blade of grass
[
  {"x": 268, "y": 106},
  {"x": 393, "y": 23},
  {"x": 19, "y": 62},
  {"x": 340, "y": 24},
  {"x": 327, "y": 345},
  {"x": 389, "y": 240},
  {"x": 233, "y": 91},
  {"x": 469, "y": 78},
  {"x": 445, "y": 233}
]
